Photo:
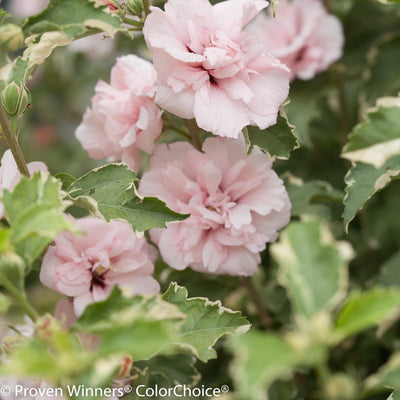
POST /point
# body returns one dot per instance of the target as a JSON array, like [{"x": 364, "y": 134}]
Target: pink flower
[
  {"x": 87, "y": 267},
  {"x": 10, "y": 175},
  {"x": 23, "y": 8},
  {"x": 302, "y": 35},
  {"x": 210, "y": 69},
  {"x": 124, "y": 118},
  {"x": 237, "y": 204}
]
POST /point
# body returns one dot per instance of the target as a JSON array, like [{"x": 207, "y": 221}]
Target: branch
[{"x": 12, "y": 142}]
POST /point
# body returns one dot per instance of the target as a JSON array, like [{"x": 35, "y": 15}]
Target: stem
[
  {"x": 19, "y": 297},
  {"x": 146, "y": 6},
  {"x": 194, "y": 134},
  {"x": 12, "y": 142},
  {"x": 248, "y": 283},
  {"x": 323, "y": 376},
  {"x": 345, "y": 120},
  {"x": 179, "y": 130},
  {"x": 132, "y": 22}
]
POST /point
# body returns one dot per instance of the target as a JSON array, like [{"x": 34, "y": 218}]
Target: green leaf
[
  {"x": 390, "y": 275},
  {"x": 363, "y": 181},
  {"x": 74, "y": 18},
  {"x": 381, "y": 78},
  {"x": 66, "y": 180},
  {"x": 377, "y": 138},
  {"x": 110, "y": 192},
  {"x": 63, "y": 21},
  {"x": 170, "y": 370},
  {"x": 303, "y": 106},
  {"x": 278, "y": 140},
  {"x": 5, "y": 303},
  {"x": 364, "y": 310},
  {"x": 138, "y": 326},
  {"x": 35, "y": 212},
  {"x": 12, "y": 268},
  {"x": 312, "y": 267},
  {"x": 143, "y": 214},
  {"x": 100, "y": 374},
  {"x": 395, "y": 395},
  {"x": 113, "y": 181},
  {"x": 260, "y": 358},
  {"x": 15, "y": 72},
  {"x": 205, "y": 322},
  {"x": 5, "y": 244},
  {"x": 312, "y": 197},
  {"x": 388, "y": 376}
]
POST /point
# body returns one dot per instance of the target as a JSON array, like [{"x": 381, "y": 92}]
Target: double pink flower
[
  {"x": 236, "y": 201},
  {"x": 302, "y": 35},
  {"x": 88, "y": 267},
  {"x": 123, "y": 120},
  {"x": 210, "y": 69}
]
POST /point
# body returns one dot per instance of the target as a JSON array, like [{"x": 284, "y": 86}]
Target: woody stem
[{"x": 12, "y": 142}]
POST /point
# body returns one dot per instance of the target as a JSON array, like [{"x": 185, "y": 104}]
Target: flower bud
[
  {"x": 112, "y": 4},
  {"x": 15, "y": 99},
  {"x": 135, "y": 7},
  {"x": 11, "y": 37},
  {"x": 12, "y": 267},
  {"x": 125, "y": 368}
]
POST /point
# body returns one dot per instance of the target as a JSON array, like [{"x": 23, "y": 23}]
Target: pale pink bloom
[
  {"x": 303, "y": 36},
  {"x": 237, "y": 204},
  {"x": 124, "y": 118},
  {"x": 88, "y": 267},
  {"x": 26, "y": 8},
  {"x": 210, "y": 69},
  {"x": 10, "y": 175}
]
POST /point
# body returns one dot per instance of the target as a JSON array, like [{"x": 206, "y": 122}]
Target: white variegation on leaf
[
  {"x": 312, "y": 267},
  {"x": 363, "y": 181},
  {"x": 376, "y": 139},
  {"x": 206, "y": 322}
]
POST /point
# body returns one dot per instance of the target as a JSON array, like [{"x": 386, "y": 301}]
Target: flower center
[
  {"x": 218, "y": 202},
  {"x": 221, "y": 52},
  {"x": 98, "y": 277}
]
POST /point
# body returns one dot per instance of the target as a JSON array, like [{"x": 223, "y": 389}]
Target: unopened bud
[
  {"x": 47, "y": 327},
  {"x": 15, "y": 99},
  {"x": 125, "y": 368},
  {"x": 11, "y": 37},
  {"x": 135, "y": 7},
  {"x": 12, "y": 267},
  {"x": 112, "y": 4}
]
